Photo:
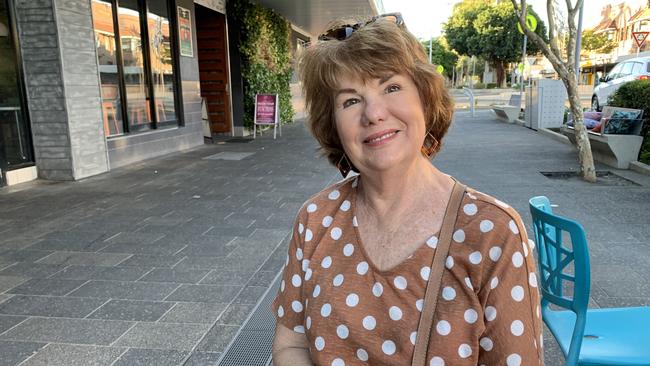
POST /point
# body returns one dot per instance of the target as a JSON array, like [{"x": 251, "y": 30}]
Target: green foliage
[
  {"x": 597, "y": 42},
  {"x": 459, "y": 29},
  {"x": 265, "y": 50},
  {"x": 636, "y": 94},
  {"x": 441, "y": 55}
]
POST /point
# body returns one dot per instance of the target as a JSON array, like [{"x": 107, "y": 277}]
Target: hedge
[
  {"x": 265, "y": 50},
  {"x": 636, "y": 94}
]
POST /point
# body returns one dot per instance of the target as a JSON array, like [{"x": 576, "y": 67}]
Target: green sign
[
  {"x": 531, "y": 23},
  {"x": 440, "y": 69},
  {"x": 520, "y": 67}
]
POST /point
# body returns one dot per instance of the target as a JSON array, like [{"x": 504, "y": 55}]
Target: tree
[
  {"x": 459, "y": 29},
  {"x": 564, "y": 65},
  {"x": 441, "y": 55},
  {"x": 597, "y": 42}
]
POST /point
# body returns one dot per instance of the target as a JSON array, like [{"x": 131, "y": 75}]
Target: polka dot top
[{"x": 354, "y": 314}]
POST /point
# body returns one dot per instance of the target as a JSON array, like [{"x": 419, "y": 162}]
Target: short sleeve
[
  {"x": 512, "y": 334},
  {"x": 289, "y": 305}
]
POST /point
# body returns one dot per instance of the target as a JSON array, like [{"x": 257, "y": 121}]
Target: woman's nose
[{"x": 375, "y": 111}]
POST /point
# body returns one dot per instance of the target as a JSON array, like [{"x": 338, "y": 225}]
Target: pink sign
[{"x": 265, "y": 109}]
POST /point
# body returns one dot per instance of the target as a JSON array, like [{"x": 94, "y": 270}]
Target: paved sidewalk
[{"x": 160, "y": 263}]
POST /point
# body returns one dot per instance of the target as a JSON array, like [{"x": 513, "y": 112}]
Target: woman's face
[{"x": 381, "y": 123}]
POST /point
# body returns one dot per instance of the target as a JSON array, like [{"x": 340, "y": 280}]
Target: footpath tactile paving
[{"x": 162, "y": 262}]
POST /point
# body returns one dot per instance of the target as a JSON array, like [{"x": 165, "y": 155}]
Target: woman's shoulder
[
  {"x": 489, "y": 212},
  {"x": 334, "y": 195}
]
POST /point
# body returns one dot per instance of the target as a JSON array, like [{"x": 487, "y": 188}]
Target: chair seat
[{"x": 623, "y": 335}]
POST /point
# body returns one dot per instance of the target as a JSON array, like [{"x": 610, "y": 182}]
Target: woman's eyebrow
[
  {"x": 344, "y": 91},
  {"x": 385, "y": 78}
]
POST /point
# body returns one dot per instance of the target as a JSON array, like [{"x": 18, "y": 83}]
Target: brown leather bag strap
[{"x": 435, "y": 276}]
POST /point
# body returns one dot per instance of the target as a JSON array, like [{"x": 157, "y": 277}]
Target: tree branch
[{"x": 552, "y": 26}]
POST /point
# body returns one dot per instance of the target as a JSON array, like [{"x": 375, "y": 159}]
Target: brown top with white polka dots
[{"x": 354, "y": 314}]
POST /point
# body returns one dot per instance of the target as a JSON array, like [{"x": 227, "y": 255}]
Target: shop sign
[
  {"x": 185, "y": 32},
  {"x": 216, "y": 5},
  {"x": 266, "y": 109}
]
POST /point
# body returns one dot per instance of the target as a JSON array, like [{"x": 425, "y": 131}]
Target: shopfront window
[{"x": 138, "y": 74}]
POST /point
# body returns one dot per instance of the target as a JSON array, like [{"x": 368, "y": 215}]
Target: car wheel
[{"x": 594, "y": 104}]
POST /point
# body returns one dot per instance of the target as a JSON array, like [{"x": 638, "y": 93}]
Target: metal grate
[
  {"x": 605, "y": 178},
  {"x": 252, "y": 345}
]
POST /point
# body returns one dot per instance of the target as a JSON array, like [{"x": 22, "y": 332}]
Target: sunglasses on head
[{"x": 344, "y": 32}]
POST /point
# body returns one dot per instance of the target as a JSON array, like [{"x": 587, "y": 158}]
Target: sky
[{"x": 424, "y": 18}]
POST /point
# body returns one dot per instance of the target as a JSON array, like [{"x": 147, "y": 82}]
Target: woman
[{"x": 359, "y": 260}]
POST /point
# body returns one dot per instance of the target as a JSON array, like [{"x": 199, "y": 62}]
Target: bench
[
  {"x": 509, "y": 112},
  {"x": 615, "y": 150}
]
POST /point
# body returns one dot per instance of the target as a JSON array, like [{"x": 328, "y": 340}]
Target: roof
[{"x": 641, "y": 14}]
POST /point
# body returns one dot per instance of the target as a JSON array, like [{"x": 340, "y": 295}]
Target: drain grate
[
  {"x": 605, "y": 178},
  {"x": 252, "y": 345}
]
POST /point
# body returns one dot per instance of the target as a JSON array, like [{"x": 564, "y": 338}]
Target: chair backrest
[
  {"x": 515, "y": 100},
  {"x": 555, "y": 260}
]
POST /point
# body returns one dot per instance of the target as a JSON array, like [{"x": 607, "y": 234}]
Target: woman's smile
[{"x": 381, "y": 138}]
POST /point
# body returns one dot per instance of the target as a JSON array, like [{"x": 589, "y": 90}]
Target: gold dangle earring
[{"x": 428, "y": 151}]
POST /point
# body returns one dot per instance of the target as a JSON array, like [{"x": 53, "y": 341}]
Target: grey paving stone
[
  {"x": 8, "y": 321},
  {"x": 194, "y": 312},
  {"x": 236, "y": 314},
  {"x": 25, "y": 255},
  {"x": 5, "y": 297},
  {"x": 250, "y": 295},
  {"x": 59, "y": 330},
  {"x": 217, "y": 338},
  {"x": 204, "y": 293},
  {"x": 9, "y": 282},
  {"x": 182, "y": 337},
  {"x": 149, "y": 249},
  {"x": 174, "y": 275},
  {"x": 101, "y": 273},
  {"x": 125, "y": 290},
  {"x": 148, "y": 357},
  {"x": 263, "y": 278},
  {"x": 232, "y": 278},
  {"x": 33, "y": 270},
  {"x": 195, "y": 263},
  {"x": 141, "y": 260},
  {"x": 64, "y": 307},
  {"x": 68, "y": 354},
  {"x": 69, "y": 245},
  {"x": 88, "y": 259},
  {"x": 14, "y": 353},
  {"x": 203, "y": 359},
  {"x": 148, "y": 311},
  {"x": 46, "y": 286}
]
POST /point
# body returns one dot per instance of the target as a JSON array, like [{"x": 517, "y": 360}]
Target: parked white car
[{"x": 623, "y": 72}]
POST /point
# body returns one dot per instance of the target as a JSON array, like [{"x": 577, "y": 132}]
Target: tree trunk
[
  {"x": 583, "y": 144},
  {"x": 501, "y": 73}
]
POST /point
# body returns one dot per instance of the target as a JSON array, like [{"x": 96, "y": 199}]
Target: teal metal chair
[{"x": 613, "y": 336}]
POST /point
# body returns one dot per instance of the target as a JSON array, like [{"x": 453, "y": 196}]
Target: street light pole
[{"x": 579, "y": 43}]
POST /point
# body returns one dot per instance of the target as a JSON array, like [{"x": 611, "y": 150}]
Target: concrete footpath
[{"x": 161, "y": 263}]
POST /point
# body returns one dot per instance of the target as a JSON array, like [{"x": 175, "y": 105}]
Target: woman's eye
[
  {"x": 349, "y": 102},
  {"x": 393, "y": 88}
]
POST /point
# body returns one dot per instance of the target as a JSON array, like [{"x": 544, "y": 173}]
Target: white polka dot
[
  {"x": 470, "y": 209},
  {"x": 468, "y": 282},
  {"x": 424, "y": 273},
  {"x": 336, "y": 233},
  {"x": 301, "y": 228},
  {"x": 316, "y": 291},
  {"x": 377, "y": 289},
  {"x": 282, "y": 286},
  {"x": 471, "y": 316},
  {"x": 400, "y": 282},
  {"x": 362, "y": 268},
  {"x": 305, "y": 265},
  {"x": 345, "y": 205},
  {"x": 448, "y": 293},
  {"x": 296, "y": 306},
  {"x": 413, "y": 337},
  {"x": 395, "y": 313},
  {"x": 280, "y": 311},
  {"x": 348, "y": 249},
  {"x": 327, "y": 221},
  {"x": 486, "y": 226},
  {"x": 296, "y": 281},
  {"x": 326, "y": 310},
  {"x": 532, "y": 279},
  {"x": 369, "y": 322},
  {"x": 459, "y": 236},
  {"x": 338, "y": 362},
  {"x": 299, "y": 329},
  {"x": 449, "y": 263},
  {"x": 342, "y": 331},
  {"x": 494, "y": 283},
  {"x": 513, "y": 360},
  {"x": 437, "y": 361},
  {"x": 517, "y": 328},
  {"x": 495, "y": 253},
  {"x": 308, "y": 235},
  {"x": 513, "y": 227},
  {"x": 517, "y": 293},
  {"x": 308, "y": 322},
  {"x": 327, "y": 262},
  {"x": 418, "y": 304},
  {"x": 319, "y": 343},
  {"x": 486, "y": 343},
  {"x": 502, "y": 204},
  {"x": 525, "y": 247},
  {"x": 475, "y": 258},
  {"x": 312, "y": 207},
  {"x": 517, "y": 259},
  {"x": 352, "y": 300},
  {"x": 308, "y": 274},
  {"x": 362, "y": 354},
  {"x": 334, "y": 195},
  {"x": 338, "y": 280},
  {"x": 443, "y": 327},
  {"x": 388, "y": 347},
  {"x": 464, "y": 350},
  {"x": 355, "y": 223},
  {"x": 432, "y": 242},
  {"x": 490, "y": 313}
]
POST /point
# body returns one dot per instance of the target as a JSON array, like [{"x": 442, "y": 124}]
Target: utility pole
[{"x": 579, "y": 43}]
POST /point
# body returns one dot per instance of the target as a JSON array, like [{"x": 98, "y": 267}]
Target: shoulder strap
[{"x": 435, "y": 276}]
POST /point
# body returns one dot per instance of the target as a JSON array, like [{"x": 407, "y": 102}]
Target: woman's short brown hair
[{"x": 372, "y": 51}]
